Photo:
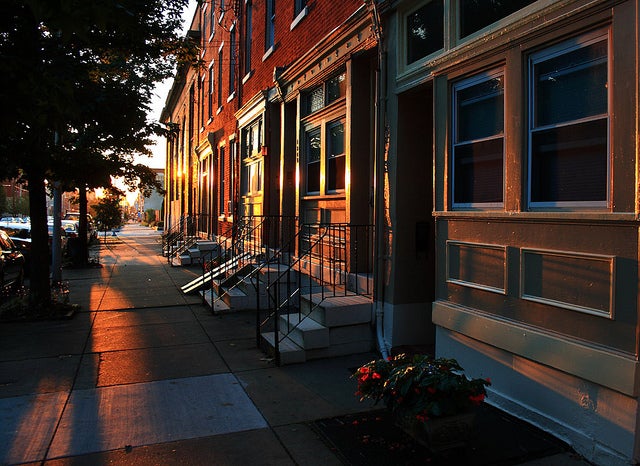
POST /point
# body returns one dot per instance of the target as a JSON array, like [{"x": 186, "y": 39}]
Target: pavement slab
[
  {"x": 146, "y": 336},
  {"x": 27, "y": 424},
  {"x": 132, "y": 317},
  {"x": 41, "y": 375},
  {"x": 127, "y": 416},
  {"x": 149, "y": 364},
  {"x": 258, "y": 447}
]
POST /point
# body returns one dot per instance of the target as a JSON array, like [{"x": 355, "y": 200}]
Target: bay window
[
  {"x": 478, "y": 141},
  {"x": 569, "y": 124}
]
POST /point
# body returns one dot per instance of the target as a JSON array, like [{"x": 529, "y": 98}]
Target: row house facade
[{"x": 490, "y": 146}]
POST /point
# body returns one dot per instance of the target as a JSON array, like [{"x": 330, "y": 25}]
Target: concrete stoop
[
  {"x": 329, "y": 327},
  {"x": 195, "y": 252}
]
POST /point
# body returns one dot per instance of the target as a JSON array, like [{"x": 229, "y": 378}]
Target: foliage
[
  {"x": 78, "y": 77},
  {"x": 420, "y": 387},
  {"x": 108, "y": 212}
]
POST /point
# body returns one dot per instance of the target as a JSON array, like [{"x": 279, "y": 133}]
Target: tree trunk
[
  {"x": 83, "y": 256},
  {"x": 39, "y": 286}
]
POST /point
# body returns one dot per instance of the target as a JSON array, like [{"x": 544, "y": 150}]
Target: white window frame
[
  {"x": 403, "y": 66},
  {"x": 549, "y": 53},
  {"x": 464, "y": 84}
]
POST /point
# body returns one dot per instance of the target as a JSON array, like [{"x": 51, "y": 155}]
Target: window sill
[
  {"x": 210, "y": 120},
  {"x": 539, "y": 216},
  {"x": 247, "y": 77},
  {"x": 231, "y": 96},
  {"x": 219, "y": 110},
  {"x": 299, "y": 18},
  {"x": 268, "y": 53},
  {"x": 322, "y": 197}
]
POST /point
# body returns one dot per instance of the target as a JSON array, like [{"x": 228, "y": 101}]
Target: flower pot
[{"x": 439, "y": 434}]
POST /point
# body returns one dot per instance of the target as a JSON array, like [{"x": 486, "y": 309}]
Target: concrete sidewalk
[{"x": 146, "y": 375}]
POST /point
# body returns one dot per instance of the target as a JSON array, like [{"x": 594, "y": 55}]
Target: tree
[
  {"x": 60, "y": 64},
  {"x": 108, "y": 212}
]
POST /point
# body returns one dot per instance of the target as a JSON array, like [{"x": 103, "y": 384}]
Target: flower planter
[{"x": 439, "y": 434}]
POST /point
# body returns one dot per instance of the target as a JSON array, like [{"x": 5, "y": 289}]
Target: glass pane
[
  {"x": 425, "y": 31},
  {"x": 562, "y": 83},
  {"x": 313, "y": 161},
  {"x": 336, "y": 88},
  {"x": 315, "y": 99},
  {"x": 570, "y": 163},
  {"x": 476, "y": 14},
  {"x": 478, "y": 171},
  {"x": 335, "y": 173},
  {"x": 336, "y": 158},
  {"x": 336, "y": 140},
  {"x": 480, "y": 110}
]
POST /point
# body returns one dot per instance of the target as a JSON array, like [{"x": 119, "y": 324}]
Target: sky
[{"x": 160, "y": 95}]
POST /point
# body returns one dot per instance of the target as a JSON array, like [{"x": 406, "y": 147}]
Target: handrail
[
  {"x": 329, "y": 254},
  {"x": 252, "y": 248}
]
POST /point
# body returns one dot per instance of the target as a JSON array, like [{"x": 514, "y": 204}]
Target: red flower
[
  {"x": 476, "y": 399},
  {"x": 431, "y": 390},
  {"x": 376, "y": 376}
]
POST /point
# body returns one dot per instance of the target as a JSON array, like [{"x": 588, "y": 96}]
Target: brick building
[{"x": 465, "y": 173}]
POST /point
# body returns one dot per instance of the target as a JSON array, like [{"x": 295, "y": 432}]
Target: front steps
[
  {"x": 193, "y": 253},
  {"x": 329, "y": 327}
]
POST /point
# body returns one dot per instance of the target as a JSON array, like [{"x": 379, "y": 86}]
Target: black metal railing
[
  {"x": 251, "y": 243},
  {"x": 183, "y": 234},
  {"x": 318, "y": 262}
]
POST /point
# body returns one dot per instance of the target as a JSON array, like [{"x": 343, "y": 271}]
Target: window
[
  {"x": 251, "y": 152},
  {"x": 326, "y": 93},
  {"x": 270, "y": 25},
  {"x": 477, "y": 14},
  {"x": 205, "y": 26},
  {"x": 478, "y": 141},
  {"x": 326, "y": 158},
  {"x": 313, "y": 152},
  {"x": 335, "y": 157},
  {"x": 210, "y": 91},
  {"x": 201, "y": 89},
  {"x": 221, "y": 181},
  {"x": 220, "y": 78},
  {"x": 247, "y": 38},
  {"x": 425, "y": 31},
  {"x": 569, "y": 124},
  {"x": 232, "y": 61},
  {"x": 299, "y": 6}
]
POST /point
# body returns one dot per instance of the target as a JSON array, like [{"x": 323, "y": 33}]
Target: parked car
[
  {"x": 20, "y": 234},
  {"x": 91, "y": 226},
  {"x": 11, "y": 263}
]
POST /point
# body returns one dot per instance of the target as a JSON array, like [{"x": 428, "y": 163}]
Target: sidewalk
[{"x": 146, "y": 375}]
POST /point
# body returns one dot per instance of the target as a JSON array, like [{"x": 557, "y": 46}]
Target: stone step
[
  {"x": 337, "y": 311},
  {"x": 305, "y": 332},
  {"x": 217, "y": 306},
  {"x": 290, "y": 352},
  {"x": 194, "y": 253}
]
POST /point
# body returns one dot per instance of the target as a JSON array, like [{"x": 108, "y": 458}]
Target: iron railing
[
  {"x": 252, "y": 242},
  {"x": 183, "y": 235},
  {"x": 319, "y": 261}
]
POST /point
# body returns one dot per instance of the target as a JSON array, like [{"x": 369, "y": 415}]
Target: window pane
[
  {"x": 480, "y": 110},
  {"x": 313, "y": 161},
  {"x": 569, "y": 163},
  {"x": 562, "y": 84},
  {"x": 315, "y": 99},
  {"x": 476, "y": 14},
  {"x": 335, "y": 158},
  {"x": 478, "y": 171},
  {"x": 425, "y": 31},
  {"x": 336, "y": 88}
]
